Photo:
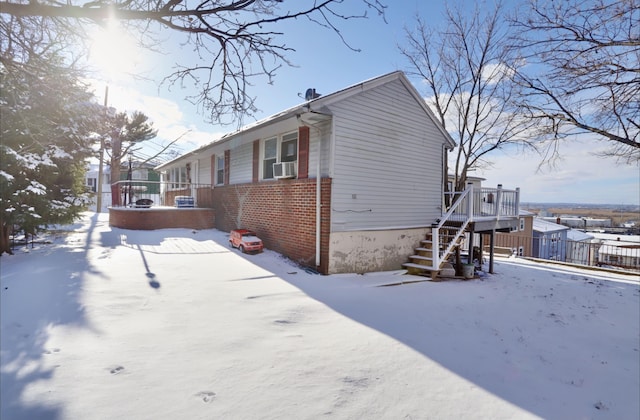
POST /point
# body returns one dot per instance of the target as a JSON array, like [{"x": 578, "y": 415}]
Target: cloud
[
  {"x": 167, "y": 115},
  {"x": 579, "y": 177}
]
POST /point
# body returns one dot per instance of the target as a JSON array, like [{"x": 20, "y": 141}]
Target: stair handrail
[
  {"x": 435, "y": 229},
  {"x": 468, "y": 192}
]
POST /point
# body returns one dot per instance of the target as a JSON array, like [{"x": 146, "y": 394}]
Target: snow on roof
[
  {"x": 540, "y": 225},
  {"x": 632, "y": 239},
  {"x": 578, "y": 235},
  {"x": 620, "y": 248}
]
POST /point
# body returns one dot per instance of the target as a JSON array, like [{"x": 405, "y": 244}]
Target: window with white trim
[
  {"x": 522, "y": 223},
  {"x": 279, "y": 149},
  {"x": 270, "y": 156},
  {"x": 177, "y": 178},
  {"x": 92, "y": 184},
  {"x": 289, "y": 148},
  {"x": 220, "y": 170}
]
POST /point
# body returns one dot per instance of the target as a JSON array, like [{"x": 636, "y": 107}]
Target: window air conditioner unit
[{"x": 284, "y": 170}]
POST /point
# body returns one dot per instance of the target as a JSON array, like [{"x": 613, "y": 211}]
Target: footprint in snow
[
  {"x": 206, "y": 396},
  {"x": 115, "y": 370},
  {"x": 54, "y": 350}
]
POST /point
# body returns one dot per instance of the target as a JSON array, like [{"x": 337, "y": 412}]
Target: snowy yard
[{"x": 173, "y": 324}]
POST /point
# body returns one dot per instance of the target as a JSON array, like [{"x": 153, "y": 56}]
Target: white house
[{"x": 351, "y": 181}]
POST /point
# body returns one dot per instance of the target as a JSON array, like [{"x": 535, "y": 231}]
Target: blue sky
[{"x": 323, "y": 62}]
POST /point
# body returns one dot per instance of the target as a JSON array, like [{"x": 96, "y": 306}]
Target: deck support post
[
  {"x": 458, "y": 262},
  {"x": 470, "y": 242},
  {"x": 491, "y": 249},
  {"x": 435, "y": 247}
]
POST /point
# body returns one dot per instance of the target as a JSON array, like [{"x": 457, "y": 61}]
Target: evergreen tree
[
  {"x": 124, "y": 133},
  {"x": 47, "y": 124}
]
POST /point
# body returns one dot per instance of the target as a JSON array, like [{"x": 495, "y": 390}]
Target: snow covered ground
[{"x": 173, "y": 324}]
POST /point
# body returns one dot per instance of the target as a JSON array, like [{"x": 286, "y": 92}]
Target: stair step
[
  {"x": 430, "y": 243},
  {"x": 420, "y": 266},
  {"x": 421, "y": 257},
  {"x": 423, "y": 249}
]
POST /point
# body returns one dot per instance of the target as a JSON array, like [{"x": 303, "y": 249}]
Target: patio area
[{"x": 145, "y": 205}]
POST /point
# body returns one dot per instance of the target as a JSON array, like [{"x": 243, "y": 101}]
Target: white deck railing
[
  {"x": 486, "y": 204},
  {"x": 468, "y": 206}
]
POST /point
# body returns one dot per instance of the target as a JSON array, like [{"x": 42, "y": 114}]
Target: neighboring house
[
  {"x": 347, "y": 182},
  {"x": 520, "y": 240},
  {"x": 91, "y": 181},
  {"x": 140, "y": 172},
  {"x": 618, "y": 250},
  {"x": 549, "y": 240},
  {"x": 580, "y": 248},
  {"x": 579, "y": 222},
  {"x": 91, "y": 177}
]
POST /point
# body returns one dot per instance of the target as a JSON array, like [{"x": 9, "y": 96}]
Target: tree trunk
[
  {"x": 5, "y": 242},
  {"x": 116, "y": 152}
]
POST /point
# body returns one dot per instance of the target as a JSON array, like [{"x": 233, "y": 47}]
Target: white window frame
[
  {"x": 522, "y": 224},
  {"x": 177, "y": 178},
  {"x": 92, "y": 183},
  {"x": 219, "y": 170},
  {"x": 286, "y": 137}
]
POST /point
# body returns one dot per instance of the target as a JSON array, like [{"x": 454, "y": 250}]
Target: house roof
[
  {"x": 315, "y": 106},
  {"x": 578, "y": 236},
  {"x": 634, "y": 239},
  {"x": 621, "y": 249},
  {"x": 544, "y": 226}
]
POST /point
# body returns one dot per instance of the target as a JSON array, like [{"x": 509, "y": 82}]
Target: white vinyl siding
[
  {"x": 319, "y": 137},
  {"x": 241, "y": 164},
  {"x": 204, "y": 171},
  {"x": 388, "y": 162}
]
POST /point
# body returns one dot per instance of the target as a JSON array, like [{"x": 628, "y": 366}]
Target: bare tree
[
  {"x": 466, "y": 67},
  {"x": 580, "y": 70},
  {"x": 234, "y": 41}
]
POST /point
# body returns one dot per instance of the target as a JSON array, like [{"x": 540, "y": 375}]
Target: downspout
[
  {"x": 318, "y": 187},
  {"x": 318, "y": 200}
]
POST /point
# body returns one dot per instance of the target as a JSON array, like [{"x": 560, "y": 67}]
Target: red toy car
[{"x": 245, "y": 240}]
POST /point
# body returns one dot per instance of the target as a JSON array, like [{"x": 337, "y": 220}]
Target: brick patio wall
[{"x": 161, "y": 218}]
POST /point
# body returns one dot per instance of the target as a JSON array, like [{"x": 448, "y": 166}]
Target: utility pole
[{"x": 100, "y": 164}]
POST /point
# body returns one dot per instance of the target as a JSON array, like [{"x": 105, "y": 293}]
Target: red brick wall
[
  {"x": 283, "y": 214},
  {"x": 150, "y": 219}
]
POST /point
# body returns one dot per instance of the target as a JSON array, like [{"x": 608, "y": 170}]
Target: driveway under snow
[{"x": 173, "y": 324}]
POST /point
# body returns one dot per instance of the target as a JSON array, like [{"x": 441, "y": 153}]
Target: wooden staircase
[
  {"x": 445, "y": 236},
  {"x": 450, "y": 236}
]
